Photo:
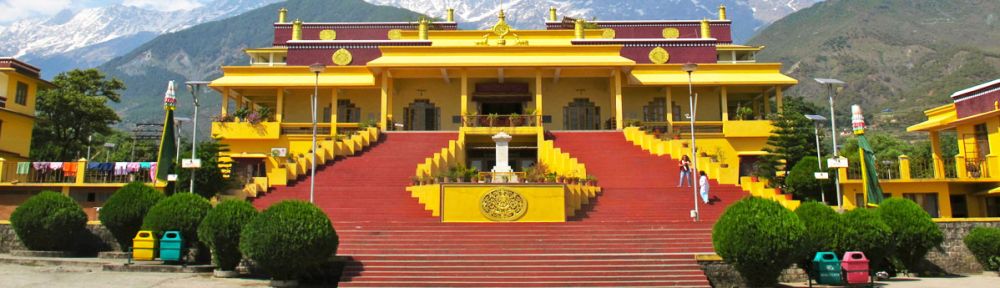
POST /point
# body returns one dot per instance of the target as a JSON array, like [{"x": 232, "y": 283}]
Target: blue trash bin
[
  {"x": 171, "y": 246},
  {"x": 826, "y": 268}
]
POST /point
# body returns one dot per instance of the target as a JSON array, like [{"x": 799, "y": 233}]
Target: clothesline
[{"x": 70, "y": 169}]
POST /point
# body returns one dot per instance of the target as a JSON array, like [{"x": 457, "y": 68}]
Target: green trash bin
[
  {"x": 827, "y": 269},
  {"x": 171, "y": 246}
]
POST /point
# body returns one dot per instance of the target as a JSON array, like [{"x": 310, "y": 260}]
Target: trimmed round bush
[
  {"x": 760, "y": 238},
  {"x": 802, "y": 182},
  {"x": 823, "y": 226},
  {"x": 220, "y": 231},
  {"x": 49, "y": 221},
  {"x": 865, "y": 231},
  {"x": 913, "y": 231},
  {"x": 288, "y": 238},
  {"x": 122, "y": 214},
  {"x": 180, "y": 212},
  {"x": 985, "y": 245}
]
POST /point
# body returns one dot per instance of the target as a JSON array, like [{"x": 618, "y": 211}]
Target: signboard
[
  {"x": 171, "y": 177},
  {"x": 822, "y": 175},
  {"x": 279, "y": 152},
  {"x": 190, "y": 163},
  {"x": 839, "y": 162}
]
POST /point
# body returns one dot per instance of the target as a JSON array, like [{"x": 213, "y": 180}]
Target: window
[
  {"x": 3, "y": 102},
  {"x": 1, "y": 129},
  {"x": 982, "y": 141},
  {"x": 21, "y": 94}
]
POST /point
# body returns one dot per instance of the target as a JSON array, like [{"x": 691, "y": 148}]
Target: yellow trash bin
[{"x": 144, "y": 246}]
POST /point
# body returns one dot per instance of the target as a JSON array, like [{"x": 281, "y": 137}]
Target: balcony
[
  {"x": 510, "y": 124},
  {"x": 247, "y": 130},
  {"x": 905, "y": 169}
]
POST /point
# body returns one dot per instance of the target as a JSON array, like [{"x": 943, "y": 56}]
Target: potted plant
[
  {"x": 241, "y": 114},
  {"x": 492, "y": 119},
  {"x": 973, "y": 170},
  {"x": 529, "y": 116},
  {"x": 416, "y": 180},
  {"x": 550, "y": 178},
  {"x": 743, "y": 113},
  {"x": 471, "y": 119},
  {"x": 514, "y": 120},
  {"x": 591, "y": 180},
  {"x": 265, "y": 113}
]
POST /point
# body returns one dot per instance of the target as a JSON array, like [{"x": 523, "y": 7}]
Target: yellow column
[
  {"x": 670, "y": 110},
  {"x": 383, "y": 116},
  {"x": 944, "y": 203},
  {"x": 81, "y": 170},
  {"x": 279, "y": 115},
  {"x": 767, "y": 103},
  {"x": 619, "y": 121},
  {"x": 777, "y": 98},
  {"x": 389, "y": 115},
  {"x": 538, "y": 97},
  {"x": 225, "y": 101},
  {"x": 936, "y": 155},
  {"x": 725, "y": 104},
  {"x": 333, "y": 113},
  {"x": 2, "y": 162},
  {"x": 904, "y": 167},
  {"x": 465, "y": 93}
]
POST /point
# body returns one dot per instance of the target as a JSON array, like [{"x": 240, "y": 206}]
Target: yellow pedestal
[{"x": 503, "y": 203}]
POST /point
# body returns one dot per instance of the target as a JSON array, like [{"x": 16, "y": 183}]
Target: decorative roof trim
[{"x": 967, "y": 91}]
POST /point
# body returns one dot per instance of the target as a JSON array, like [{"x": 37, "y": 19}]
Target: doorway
[
  {"x": 501, "y": 108},
  {"x": 581, "y": 114},
  {"x": 422, "y": 115}
]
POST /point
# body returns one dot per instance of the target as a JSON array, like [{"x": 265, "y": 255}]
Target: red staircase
[
  {"x": 637, "y": 233},
  {"x": 369, "y": 186}
]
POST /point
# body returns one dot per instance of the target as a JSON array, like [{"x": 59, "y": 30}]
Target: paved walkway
[
  {"x": 82, "y": 277},
  {"x": 987, "y": 279}
]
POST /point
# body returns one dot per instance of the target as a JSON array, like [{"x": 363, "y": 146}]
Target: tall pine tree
[{"x": 791, "y": 140}]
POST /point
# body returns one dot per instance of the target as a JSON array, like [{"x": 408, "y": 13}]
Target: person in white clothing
[{"x": 703, "y": 186}]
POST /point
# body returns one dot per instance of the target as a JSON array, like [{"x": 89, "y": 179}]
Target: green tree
[
  {"x": 791, "y": 140},
  {"x": 74, "y": 110},
  {"x": 208, "y": 179},
  {"x": 801, "y": 180}
]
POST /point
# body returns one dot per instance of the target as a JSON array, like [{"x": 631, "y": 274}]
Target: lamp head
[
  {"x": 828, "y": 81},
  {"x": 815, "y": 118},
  {"x": 317, "y": 68},
  {"x": 689, "y": 67}
]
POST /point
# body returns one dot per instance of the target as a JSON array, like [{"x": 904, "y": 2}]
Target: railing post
[
  {"x": 960, "y": 167},
  {"x": 842, "y": 174},
  {"x": 81, "y": 171},
  {"x": 2, "y": 164},
  {"x": 904, "y": 167}
]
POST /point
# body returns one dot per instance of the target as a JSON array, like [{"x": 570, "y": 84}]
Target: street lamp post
[
  {"x": 315, "y": 68},
  {"x": 194, "y": 87},
  {"x": 693, "y": 104},
  {"x": 829, "y": 83},
  {"x": 178, "y": 121},
  {"x": 819, "y": 158}
]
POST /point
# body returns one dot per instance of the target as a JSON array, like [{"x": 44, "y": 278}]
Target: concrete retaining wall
[{"x": 99, "y": 239}]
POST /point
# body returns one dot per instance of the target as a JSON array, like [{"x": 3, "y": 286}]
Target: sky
[{"x": 19, "y": 9}]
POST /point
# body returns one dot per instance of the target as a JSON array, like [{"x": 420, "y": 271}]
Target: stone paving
[{"x": 83, "y": 277}]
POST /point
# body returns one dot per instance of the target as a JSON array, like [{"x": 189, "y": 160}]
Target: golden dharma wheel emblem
[
  {"x": 327, "y": 35},
  {"x": 503, "y": 204},
  {"x": 501, "y": 29},
  {"x": 395, "y": 34},
  {"x": 342, "y": 57},
  {"x": 608, "y": 33},
  {"x": 671, "y": 33},
  {"x": 659, "y": 55}
]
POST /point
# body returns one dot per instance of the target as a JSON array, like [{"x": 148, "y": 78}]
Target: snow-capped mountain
[
  {"x": 748, "y": 15},
  {"x": 92, "y": 36}
]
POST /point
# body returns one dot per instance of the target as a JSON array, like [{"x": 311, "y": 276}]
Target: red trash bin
[{"x": 855, "y": 268}]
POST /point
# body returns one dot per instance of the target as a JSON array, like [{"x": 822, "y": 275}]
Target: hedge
[
  {"x": 760, "y": 238},
  {"x": 220, "y": 231},
  {"x": 913, "y": 231},
  {"x": 49, "y": 221},
  {"x": 866, "y": 232},
  {"x": 288, "y": 238},
  {"x": 124, "y": 211},
  {"x": 823, "y": 227},
  {"x": 181, "y": 212},
  {"x": 985, "y": 245}
]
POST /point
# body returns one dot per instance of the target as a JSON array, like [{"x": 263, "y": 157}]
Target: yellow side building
[{"x": 19, "y": 85}]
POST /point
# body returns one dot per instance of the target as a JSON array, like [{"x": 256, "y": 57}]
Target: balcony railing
[{"x": 501, "y": 120}]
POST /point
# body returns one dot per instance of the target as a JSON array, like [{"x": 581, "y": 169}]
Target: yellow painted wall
[
  {"x": 443, "y": 95},
  {"x": 559, "y": 95},
  {"x": 709, "y": 98},
  {"x": 11, "y": 90},
  {"x": 851, "y": 190},
  {"x": 369, "y": 100},
  {"x": 546, "y": 203},
  {"x": 635, "y": 98},
  {"x": 15, "y": 134}
]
